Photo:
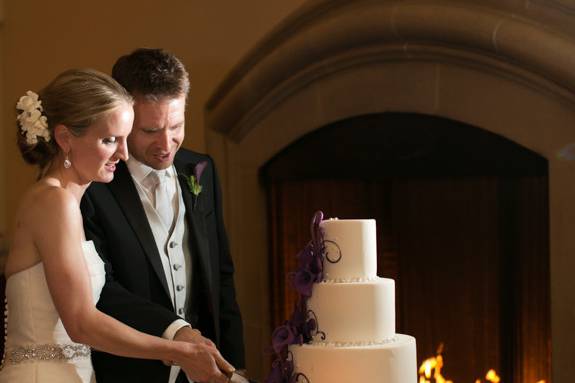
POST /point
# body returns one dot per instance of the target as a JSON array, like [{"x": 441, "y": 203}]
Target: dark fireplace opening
[{"x": 463, "y": 228}]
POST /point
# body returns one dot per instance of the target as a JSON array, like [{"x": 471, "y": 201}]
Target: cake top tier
[{"x": 351, "y": 249}]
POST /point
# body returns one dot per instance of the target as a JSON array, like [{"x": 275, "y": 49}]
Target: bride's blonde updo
[{"x": 76, "y": 98}]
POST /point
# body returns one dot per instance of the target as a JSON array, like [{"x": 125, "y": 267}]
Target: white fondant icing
[
  {"x": 352, "y": 243},
  {"x": 390, "y": 363},
  {"x": 355, "y": 312}
]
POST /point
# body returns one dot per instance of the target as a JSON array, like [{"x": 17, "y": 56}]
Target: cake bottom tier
[{"x": 394, "y": 362}]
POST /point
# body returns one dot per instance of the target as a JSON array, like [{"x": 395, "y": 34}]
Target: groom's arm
[{"x": 115, "y": 300}]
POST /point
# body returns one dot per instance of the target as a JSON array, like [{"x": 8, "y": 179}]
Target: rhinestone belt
[{"x": 21, "y": 354}]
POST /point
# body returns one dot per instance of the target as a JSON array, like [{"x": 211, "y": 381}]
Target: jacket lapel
[
  {"x": 123, "y": 188},
  {"x": 196, "y": 220}
]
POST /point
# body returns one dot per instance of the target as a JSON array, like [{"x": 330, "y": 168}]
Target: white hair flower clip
[{"x": 32, "y": 123}]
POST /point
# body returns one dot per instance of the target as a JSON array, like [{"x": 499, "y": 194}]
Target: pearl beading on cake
[
  {"x": 381, "y": 342},
  {"x": 47, "y": 352},
  {"x": 349, "y": 280}
]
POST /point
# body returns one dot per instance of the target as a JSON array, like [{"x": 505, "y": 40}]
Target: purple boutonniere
[{"x": 193, "y": 180}]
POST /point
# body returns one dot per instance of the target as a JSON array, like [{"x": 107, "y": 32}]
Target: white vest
[
  {"x": 172, "y": 243},
  {"x": 174, "y": 251}
]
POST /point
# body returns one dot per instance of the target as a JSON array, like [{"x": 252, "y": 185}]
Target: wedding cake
[{"x": 343, "y": 328}]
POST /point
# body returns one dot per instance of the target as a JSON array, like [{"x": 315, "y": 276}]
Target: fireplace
[{"x": 462, "y": 219}]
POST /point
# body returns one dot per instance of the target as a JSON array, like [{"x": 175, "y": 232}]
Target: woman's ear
[{"x": 62, "y": 136}]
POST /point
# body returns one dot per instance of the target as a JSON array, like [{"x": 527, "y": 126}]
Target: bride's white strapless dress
[{"x": 37, "y": 347}]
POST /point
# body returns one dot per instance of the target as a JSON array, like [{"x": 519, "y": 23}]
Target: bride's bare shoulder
[
  {"x": 45, "y": 200},
  {"x": 46, "y": 210}
]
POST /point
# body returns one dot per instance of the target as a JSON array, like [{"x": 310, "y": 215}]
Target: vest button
[
  {"x": 173, "y": 244},
  {"x": 177, "y": 267},
  {"x": 179, "y": 287},
  {"x": 181, "y": 311}
]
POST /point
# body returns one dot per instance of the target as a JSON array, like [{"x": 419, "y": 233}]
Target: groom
[{"x": 159, "y": 227}]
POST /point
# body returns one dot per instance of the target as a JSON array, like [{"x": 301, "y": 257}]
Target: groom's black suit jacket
[{"x": 136, "y": 290}]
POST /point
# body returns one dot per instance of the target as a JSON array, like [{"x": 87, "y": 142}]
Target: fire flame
[
  {"x": 492, "y": 376},
  {"x": 431, "y": 367},
  {"x": 435, "y": 364}
]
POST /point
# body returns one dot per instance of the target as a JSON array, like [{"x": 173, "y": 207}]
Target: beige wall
[{"x": 41, "y": 38}]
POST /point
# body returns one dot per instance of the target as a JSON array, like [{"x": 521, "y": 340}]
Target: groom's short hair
[{"x": 152, "y": 73}]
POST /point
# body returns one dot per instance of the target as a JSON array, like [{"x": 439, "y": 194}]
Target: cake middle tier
[{"x": 355, "y": 312}]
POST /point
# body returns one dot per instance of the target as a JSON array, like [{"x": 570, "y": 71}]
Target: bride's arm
[{"x": 57, "y": 232}]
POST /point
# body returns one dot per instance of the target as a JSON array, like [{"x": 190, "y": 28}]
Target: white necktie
[{"x": 159, "y": 188}]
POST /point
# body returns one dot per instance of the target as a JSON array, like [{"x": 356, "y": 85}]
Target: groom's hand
[
  {"x": 205, "y": 364},
  {"x": 194, "y": 336},
  {"x": 190, "y": 335}
]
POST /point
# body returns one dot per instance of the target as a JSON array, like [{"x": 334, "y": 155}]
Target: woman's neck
[{"x": 69, "y": 179}]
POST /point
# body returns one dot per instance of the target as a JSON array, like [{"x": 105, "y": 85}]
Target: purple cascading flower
[
  {"x": 316, "y": 269},
  {"x": 299, "y": 315},
  {"x": 303, "y": 282},
  {"x": 310, "y": 327},
  {"x": 281, "y": 372},
  {"x": 310, "y": 259},
  {"x": 305, "y": 257},
  {"x": 302, "y": 325},
  {"x": 317, "y": 247},
  {"x": 283, "y": 336},
  {"x": 315, "y": 230}
]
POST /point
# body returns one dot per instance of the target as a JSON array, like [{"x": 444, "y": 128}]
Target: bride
[{"x": 75, "y": 132}]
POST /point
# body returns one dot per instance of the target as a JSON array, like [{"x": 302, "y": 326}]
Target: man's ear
[{"x": 62, "y": 136}]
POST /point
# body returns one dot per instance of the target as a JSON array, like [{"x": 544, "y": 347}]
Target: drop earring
[{"x": 67, "y": 162}]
